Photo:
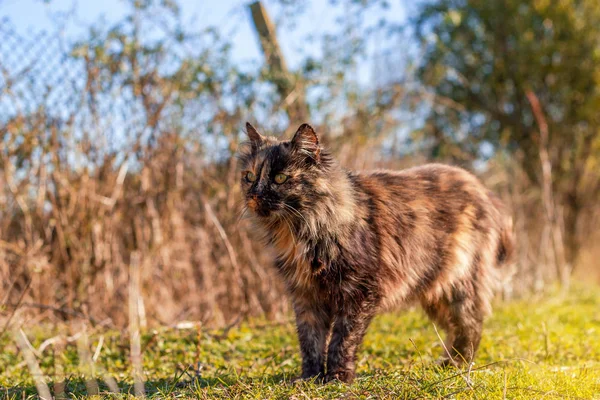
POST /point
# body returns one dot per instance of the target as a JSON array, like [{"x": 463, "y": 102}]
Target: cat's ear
[
  {"x": 256, "y": 139},
  {"x": 307, "y": 141}
]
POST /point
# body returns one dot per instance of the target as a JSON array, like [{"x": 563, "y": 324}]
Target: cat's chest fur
[
  {"x": 319, "y": 268},
  {"x": 297, "y": 260}
]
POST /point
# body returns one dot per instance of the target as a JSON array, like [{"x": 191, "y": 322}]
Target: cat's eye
[
  {"x": 250, "y": 177},
  {"x": 280, "y": 178}
]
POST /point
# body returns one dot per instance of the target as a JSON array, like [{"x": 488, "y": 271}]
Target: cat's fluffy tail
[
  {"x": 506, "y": 251},
  {"x": 506, "y": 244}
]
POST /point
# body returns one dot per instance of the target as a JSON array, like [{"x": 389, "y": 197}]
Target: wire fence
[
  {"x": 45, "y": 76},
  {"x": 38, "y": 72}
]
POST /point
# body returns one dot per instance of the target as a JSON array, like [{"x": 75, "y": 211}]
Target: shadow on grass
[
  {"x": 227, "y": 382},
  {"x": 79, "y": 387}
]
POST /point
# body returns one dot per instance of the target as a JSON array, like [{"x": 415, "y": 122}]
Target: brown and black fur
[{"x": 350, "y": 244}]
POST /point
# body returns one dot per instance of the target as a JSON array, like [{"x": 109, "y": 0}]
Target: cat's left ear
[
  {"x": 256, "y": 139},
  {"x": 307, "y": 141}
]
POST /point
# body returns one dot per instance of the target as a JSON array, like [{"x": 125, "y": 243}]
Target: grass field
[{"x": 531, "y": 349}]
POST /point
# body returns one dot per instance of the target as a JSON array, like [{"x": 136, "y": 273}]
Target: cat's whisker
[
  {"x": 296, "y": 212},
  {"x": 310, "y": 227},
  {"x": 285, "y": 218},
  {"x": 241, "y": 215}
]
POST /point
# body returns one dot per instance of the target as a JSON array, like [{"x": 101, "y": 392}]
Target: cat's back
[
  {"x": 434, "y": 187},
  {"x": 435, "y": 196},
  {"x": 428, "y": 178}
]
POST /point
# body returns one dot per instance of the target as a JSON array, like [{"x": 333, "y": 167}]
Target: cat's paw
[
  {"x": 447, "y": 362},
  {"x": 341, "y": 376}
]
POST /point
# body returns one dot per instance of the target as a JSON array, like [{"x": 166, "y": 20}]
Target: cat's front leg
[
  {"x": 313, "y": 324},
  {"x": 347, "y": 335}
]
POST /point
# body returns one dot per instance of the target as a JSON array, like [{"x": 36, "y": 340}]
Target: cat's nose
[
  {"x": 256, "y": 192},
  {"x": 254, "y": 197},
  {"x": 253, "y": 201}
]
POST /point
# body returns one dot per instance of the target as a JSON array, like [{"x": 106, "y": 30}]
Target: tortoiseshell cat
[{"x": 350, "y": 244}]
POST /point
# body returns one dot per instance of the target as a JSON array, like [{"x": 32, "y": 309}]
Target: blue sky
[
  {"x": 29, "y": 16},
  {"x": 231, "y": 16}
]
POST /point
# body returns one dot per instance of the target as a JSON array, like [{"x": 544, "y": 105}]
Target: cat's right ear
[
  {"x": 306, "y": 140},
  {"x": 256, "y": 139}
]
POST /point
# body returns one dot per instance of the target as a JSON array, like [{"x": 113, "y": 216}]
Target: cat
[{"x": 351, "y": 244}]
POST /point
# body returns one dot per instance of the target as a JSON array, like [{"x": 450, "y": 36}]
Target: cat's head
[{"x": 283, "y": 178}]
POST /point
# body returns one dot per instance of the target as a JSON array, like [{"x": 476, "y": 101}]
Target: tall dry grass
[{"x": 70, "y": 238}]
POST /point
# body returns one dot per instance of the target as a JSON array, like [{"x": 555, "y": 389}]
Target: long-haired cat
[{"x": 350, "y": 244}]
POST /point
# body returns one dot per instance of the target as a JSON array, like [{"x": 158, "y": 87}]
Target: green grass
[{"x": 531, "y": 349}]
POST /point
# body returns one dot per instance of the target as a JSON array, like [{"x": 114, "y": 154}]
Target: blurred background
[{"x": 120, "y": 120}]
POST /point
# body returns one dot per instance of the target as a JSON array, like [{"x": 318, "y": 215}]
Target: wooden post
[
  {"x": 563, "y": 270},
  {"x": 289, "y": 87}
]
